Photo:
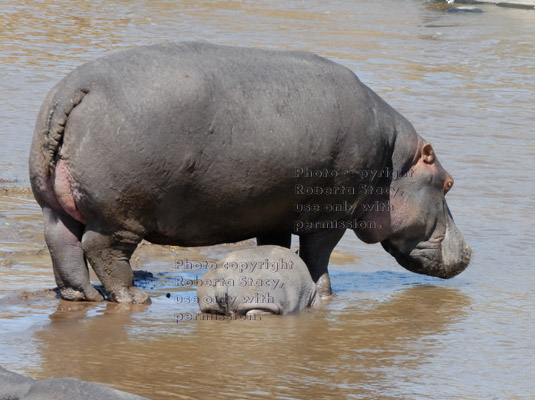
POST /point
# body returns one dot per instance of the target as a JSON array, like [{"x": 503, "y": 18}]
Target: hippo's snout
[
  {"x": 455, "y": 252},
  {"x": 444, "y": 259}
]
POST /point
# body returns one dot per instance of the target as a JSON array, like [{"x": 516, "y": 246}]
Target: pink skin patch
[{"x": 62, "y": 184}]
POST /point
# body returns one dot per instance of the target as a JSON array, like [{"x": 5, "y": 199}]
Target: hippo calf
[
  {"x": 266, "y": 279},
  {"x": 194, "y": 144}
]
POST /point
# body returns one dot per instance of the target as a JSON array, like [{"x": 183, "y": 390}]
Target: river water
[{"x": 464, "y": 79}]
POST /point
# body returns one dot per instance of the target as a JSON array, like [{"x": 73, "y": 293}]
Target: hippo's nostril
[{"x": 448, "y": 185}]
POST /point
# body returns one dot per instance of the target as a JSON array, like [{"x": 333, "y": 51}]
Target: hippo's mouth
[{"x": 427, "y": 258}]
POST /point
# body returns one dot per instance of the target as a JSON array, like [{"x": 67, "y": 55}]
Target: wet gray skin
[
  {"x": 194, "y": 144},
  {"x": 261, "y": 280},
  {"x": 418, "y": 229},
  {"x": 18, "y": 387}
]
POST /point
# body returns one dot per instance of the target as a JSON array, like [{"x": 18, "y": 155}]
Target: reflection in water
[{"x": 315, "y": 354}]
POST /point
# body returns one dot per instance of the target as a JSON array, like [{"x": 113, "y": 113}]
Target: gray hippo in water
[
  {"x": 194, "y": 144},
  {"x": 19, "y": 387},
  {"x": 266, "y": 279}
]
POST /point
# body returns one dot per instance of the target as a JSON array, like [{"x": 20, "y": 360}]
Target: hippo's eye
[{"x": 447, "y": 185}]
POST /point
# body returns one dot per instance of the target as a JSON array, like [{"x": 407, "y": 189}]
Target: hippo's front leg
[
  {"x": 315, "y": 249},
  {"x": 109, "y": 255}
]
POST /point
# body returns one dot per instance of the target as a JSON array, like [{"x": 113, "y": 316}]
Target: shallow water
[{"x": 465, "y": 80}]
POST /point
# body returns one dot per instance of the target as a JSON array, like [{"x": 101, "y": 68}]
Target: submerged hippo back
[{"x": 266, "y": 278}]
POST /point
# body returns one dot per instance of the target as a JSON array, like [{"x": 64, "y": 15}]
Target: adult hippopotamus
[
  {"x": 262, "y": 280},
  {"x": 195, "y": 144}
]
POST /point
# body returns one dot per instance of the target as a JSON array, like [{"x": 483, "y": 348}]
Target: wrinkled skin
[
  {"x": 193, "y": 144},
  {"x": 262, "y": 280},
  {"x": 423, "y": 239}
]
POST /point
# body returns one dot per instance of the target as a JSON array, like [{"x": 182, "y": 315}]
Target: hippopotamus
[
  {"x": 196, "y": 144},
  {"x": 14, "y": 386},
  {"x": 263, "y": 280}
]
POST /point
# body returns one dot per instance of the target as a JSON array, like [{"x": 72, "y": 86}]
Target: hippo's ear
[{"x": 428, "y": 154}]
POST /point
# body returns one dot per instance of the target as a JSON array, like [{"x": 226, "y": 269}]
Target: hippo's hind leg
[
  {"x": 109, "y": 252},
  {"x": 62, "y": 236},
  {"x": 315, "y": 249},
  {"x": 283, "y": 239}
]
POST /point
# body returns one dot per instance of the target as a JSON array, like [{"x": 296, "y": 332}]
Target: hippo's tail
[{"x": 48, "y": 139}]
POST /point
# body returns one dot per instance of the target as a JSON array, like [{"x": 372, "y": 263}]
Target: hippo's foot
[
  {"x": 130, "y": 295},
  {"x": 109, "y": 255},
  {"x": 89, "y": 294},
  {"x": 315, "y": 250},
  {"x": 63, "y": 235}
]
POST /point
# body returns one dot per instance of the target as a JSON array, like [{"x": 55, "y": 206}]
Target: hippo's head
[{"x": 409, "y": 215}]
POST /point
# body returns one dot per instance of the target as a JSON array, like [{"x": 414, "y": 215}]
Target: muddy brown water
[{"x": 465, "y": 80}]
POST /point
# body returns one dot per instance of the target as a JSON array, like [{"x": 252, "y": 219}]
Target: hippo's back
[
  {"x": 271, "y": 279},
  {"x": 158, "y": 134}
]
